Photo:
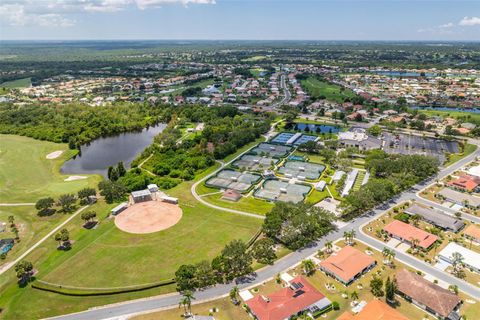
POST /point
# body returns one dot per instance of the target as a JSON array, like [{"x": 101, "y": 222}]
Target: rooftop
[
  {"x": 471, "y": 258},
  {"x": 408, "y": 232},
  {"x": 287, "y": 301},
  {"x": 437, "y": 217},
  {"x": 460, "y": 197},
  {"x": 374, "y": 310},
  {"x": 436, "y": 298},
  {"x": 347, "y": 263},
  {"x": 473, "y": 231}
]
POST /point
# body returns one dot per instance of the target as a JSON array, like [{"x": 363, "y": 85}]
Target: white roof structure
[
  {"x": 474, "y": 171},
  {"x": 245, "y": 295},
  {"x": 141, "y": 193},
  {"x": 352, "y": 176},
  {"x": 338, "y": 175},
  {"x": 471, "y": 258}
]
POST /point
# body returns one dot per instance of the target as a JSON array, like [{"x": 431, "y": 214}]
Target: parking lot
[{"x": 410, "y": 144}]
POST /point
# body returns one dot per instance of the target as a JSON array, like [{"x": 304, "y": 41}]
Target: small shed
[
  {"x": 152, "y": 187},
  {"x": 170, "y": 199},
  {"x": 320, "y": 185},
  {"x": 141, "y": 195},
  {"x": 122, "y": 206},
  {"x": 231, "y": 195}
]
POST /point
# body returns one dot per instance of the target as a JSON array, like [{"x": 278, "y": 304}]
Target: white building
[{"x": 471, "y": 259}]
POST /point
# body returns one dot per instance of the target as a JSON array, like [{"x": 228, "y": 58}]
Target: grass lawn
[
  {"x": 20, "y": 83},
  {"x": 332, "y": 92},
  {"x": 469, "y": 149},
  {"x": 247, "y": 204},
  {"x": 31, "y": 227},
  {"x": 463, "y": 116},
  {"x": 26, "y": 175},
  {"x": 226, "y": 311}
]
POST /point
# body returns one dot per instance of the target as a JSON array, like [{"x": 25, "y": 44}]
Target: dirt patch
[
  {"x": 54, "y": 155},
  {"x": 148, "y": 217}
]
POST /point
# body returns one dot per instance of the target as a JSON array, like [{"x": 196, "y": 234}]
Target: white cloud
[
  {"x": 469, "y": 22},
  {"x": 55, "y": 13},
  {"x": 441, "y": 29}
]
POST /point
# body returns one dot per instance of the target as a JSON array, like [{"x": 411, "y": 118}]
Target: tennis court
[
  {"x": 230, "y": 179},
  {"x": 303, "y": 139},
  {"x": 271, "y": 150},
  {"x": 301, "y": 170},
  {"x": 283, "y": 138},
  {"x": 254, "y": 163},
  {"x": 276, "y": 190}
]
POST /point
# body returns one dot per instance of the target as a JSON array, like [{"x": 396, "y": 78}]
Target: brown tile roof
[
  {"x": 374, "y": 310},
  {"x": 473, "y": 231},
  {"x": 436, "y": 298}
]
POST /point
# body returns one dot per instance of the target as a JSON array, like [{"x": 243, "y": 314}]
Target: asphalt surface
[{"x": 121, "y": 310}]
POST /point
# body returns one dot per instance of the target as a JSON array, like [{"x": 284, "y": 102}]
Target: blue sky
[{"x": 241, "y": 19}]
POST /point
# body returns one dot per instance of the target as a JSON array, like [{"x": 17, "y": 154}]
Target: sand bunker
[
  {"x": 148, "y": 217},
  {"x": 73, "y": 178},
  {"x": 54, "y": 155}
]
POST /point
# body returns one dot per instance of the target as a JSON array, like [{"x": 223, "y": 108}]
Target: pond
[
  {"x": 101, "y": 153},
  {"x": 318, "y": 128}
]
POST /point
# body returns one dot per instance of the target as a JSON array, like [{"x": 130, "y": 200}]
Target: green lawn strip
[
  {"x": 358, "y": 181},
  {"x": 332, "y": 92},
  {"x": 20, "y": 83},
  {"x": 247, "y": 204},
  {"x": 469, "y": 149},
  {"x": 464, "y": 116},
  {"x": 317, "y": 196},
  {"x": 26, "y": 175}
]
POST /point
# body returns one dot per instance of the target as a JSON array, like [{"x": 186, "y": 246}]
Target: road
[
  {"x": 7, "y": 266},
  {"x": 269, "y": 272}
]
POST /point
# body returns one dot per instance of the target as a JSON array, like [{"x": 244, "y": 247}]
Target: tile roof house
[
  {"x": 465, "y": 183},
  {"x": 436, "y": 217},
  {"x": 405, "y": 232},
  {"x": 347, "y": 264},
  {"x": 473, "y": 232},
  {"x": 284, "y": 303},
  {"x": 374, "y": 310},
  {"x": 440, "y": 302}
]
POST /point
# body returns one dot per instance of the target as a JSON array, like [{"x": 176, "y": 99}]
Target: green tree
[
  {"x": 24, "y": 270},
  {"x": 67, "y": 202},
  {"x": 376, "y": 285},
  {"x": 236, "y": 260},
  {"x": 44, "y": 205},
  {"x": 375, "y": 130},
  {"x": 121, "y": 169},
  {"x": 185, "y": 277},
  {"x": 112, "y": 191},
  {"x": 308, "y": 267},
  {"x": 263, "y": 251},
  {"x": 84, "y": 193},
  {"x": 390, "y": 289},
  {"x": 186, "y": 301},
  {"x": 204, "y": 274}
]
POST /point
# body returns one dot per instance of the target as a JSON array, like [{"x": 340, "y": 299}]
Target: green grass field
[
  {"x": 247, "y": 204},
  {"x": 469, "y": 149},
  {"x": 26, "y": 175},
  {"x": 332, "y": 92},
  {"x": 461, "y": 115},
  {"x": 20, "y": 83}
]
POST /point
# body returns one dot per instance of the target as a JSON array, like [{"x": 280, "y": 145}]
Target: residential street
[{"x": 269, "y": 272}]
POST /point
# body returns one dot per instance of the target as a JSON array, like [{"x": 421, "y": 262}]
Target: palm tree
[
  {"x": 457, "y": 262},
  {"x": 354, "y": 295},
  {"x": 234, "y": 294},
  {"x": 414, "y": 242},
  {"x": 329, "y": 246},
  {"x": 308, "y": 267},
  {"x": 415, "y": 219},
  {"x": 346, "y": 236},
  {"x": 187, "y": 301},
  {"x": 385, "y": 251}
]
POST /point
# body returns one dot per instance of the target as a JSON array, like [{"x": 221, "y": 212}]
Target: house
[
  {"x": 407, "y": 233},
  {"x": 474, "y": 171},
  {"x": 122, "y": 206},
  {"x": 6, "y": 245},
  {"x": 465, "y": 182},
  {"x": 231, "y": 195},
  {"x": 347, "y": 264},
  {"x": 460, "y": 198},
  {"x": 471, "y": 259},
  {"x": 472, "y": 232},
  {"x": 374, "y": 310},
  {"x": 299, "y": 296},
  {"x": 141, "y": 196},
  {"x": 432, "y": 298},
  {"x": 436, "y": 217}
]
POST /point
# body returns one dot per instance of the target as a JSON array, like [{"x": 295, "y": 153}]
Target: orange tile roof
[
  {"x": 374, "y": 310},
  {"x": 347, "y": 263},
  {"x": 465, "y": 182},
  {"x": 407, "y": 232},
  {"x": 473, "y": 231}
]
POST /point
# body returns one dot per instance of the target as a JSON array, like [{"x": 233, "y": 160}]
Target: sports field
[
  {"x": 332, "y": 92},
  {"x": 26, "y": 175}
]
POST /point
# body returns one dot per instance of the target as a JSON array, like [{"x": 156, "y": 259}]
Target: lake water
[
  {"x": 101, "y": 153},
  {"x": 324, "y": 128}
]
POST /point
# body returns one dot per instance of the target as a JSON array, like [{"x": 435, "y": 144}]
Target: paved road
[
  {"x": 7, "y": 266},
  {"x": 16, "y": 204},
  {"x": 265, "y": 274}
]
